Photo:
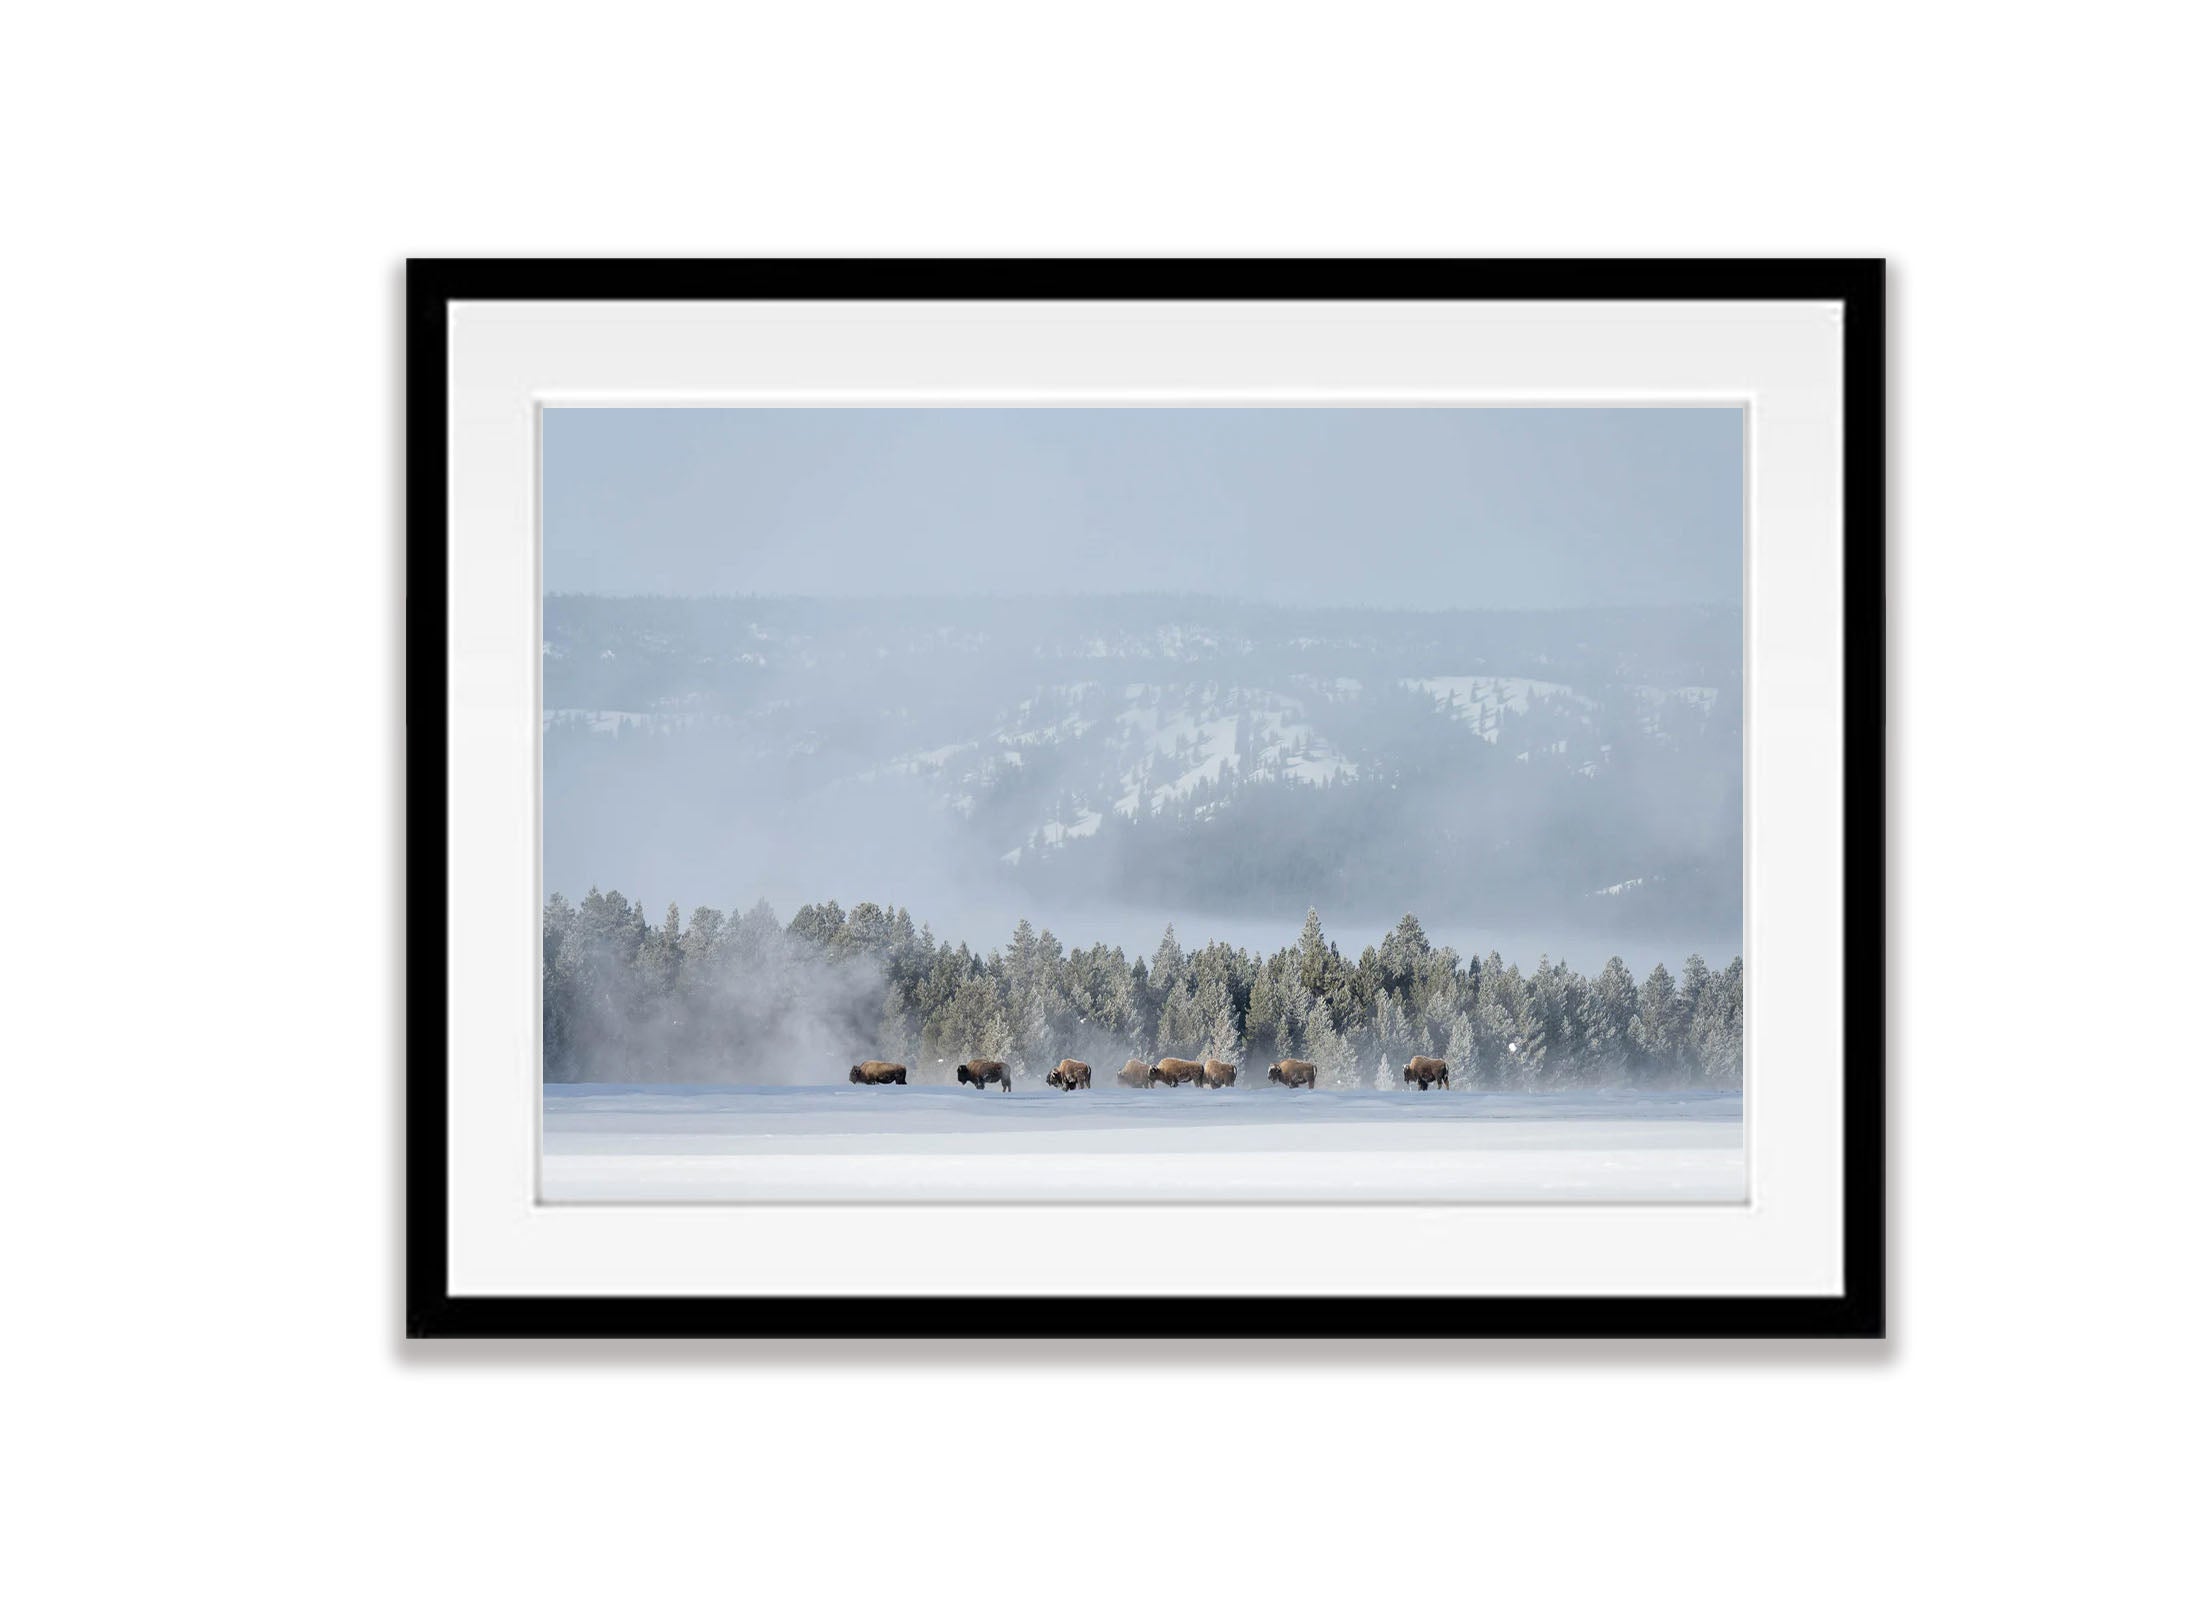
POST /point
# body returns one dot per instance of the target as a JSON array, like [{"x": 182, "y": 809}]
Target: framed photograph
[{"x": 1145, "y": 799}]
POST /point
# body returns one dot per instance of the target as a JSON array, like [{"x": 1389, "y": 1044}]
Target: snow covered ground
[{"x": 627, "y": 1142}]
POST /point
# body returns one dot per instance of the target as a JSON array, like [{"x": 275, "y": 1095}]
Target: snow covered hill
[{"x": 1150, "y": 749}]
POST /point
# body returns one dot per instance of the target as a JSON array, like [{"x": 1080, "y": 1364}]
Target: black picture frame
[{"x": 1859, "y": 1311}]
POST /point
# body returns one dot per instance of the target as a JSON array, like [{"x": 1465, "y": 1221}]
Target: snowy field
[{"x": 604, "y": 1142}]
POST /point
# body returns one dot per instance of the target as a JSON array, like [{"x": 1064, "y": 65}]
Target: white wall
[{"x": 207, "y": 208}]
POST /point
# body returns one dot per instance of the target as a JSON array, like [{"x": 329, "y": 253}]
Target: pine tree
[
  {"x": 996, "y": 1040},
  {"x": 1393, "y": 1037},
  {"x": 1145, "y": 1010},
  {"x": 1022, "y": 957},
  {"x": 1327, "y": 1050},
  {"x": 1531, "y": 1049},
  {"x": 1182, "y": 1024},
  {"x": 1610, "y": 1023},
  {"x": 1462, "y": 1056},
  {"x": 1263, "y": 1017},
  {"x": 1404, "y": 948},
  {"x": 1114, "y": 1005},
  {"x": 1727, "y": 1061},
  {"x": 1715, "y": 1029},
  {"x": 1656, "y": 1031},
  {"x": 1221, "y": 1039},
  {"x": 1695, "y": 980},
  {"x": 560, "y": 990},
  {"x": 1314, "y": 955},
  {"x": 1537, "y": 1029},
  {"x": 820, "y": 925},
  {"x": 1168, "y": 963},
  {"x": 704, "y": 940},
  {"x": 975, "y": 1024},
  {"x": 866, "y": 928},
  {"x": 1695, "y": 994}
]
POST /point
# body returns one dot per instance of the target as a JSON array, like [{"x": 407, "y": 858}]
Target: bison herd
[{"x": 1175, "y": 1071}]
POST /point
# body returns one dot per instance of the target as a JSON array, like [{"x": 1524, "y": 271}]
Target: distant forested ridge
[{"x": 741, "y": 998}]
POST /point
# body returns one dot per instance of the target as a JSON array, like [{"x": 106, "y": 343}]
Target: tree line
[{"x": 741, "y": 997}]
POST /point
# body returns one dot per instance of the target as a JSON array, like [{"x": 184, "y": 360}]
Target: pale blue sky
[{"x": 1430, "y": 508}]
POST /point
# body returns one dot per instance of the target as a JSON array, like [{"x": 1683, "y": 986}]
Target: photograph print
[{"x": 1146, "y": 803}]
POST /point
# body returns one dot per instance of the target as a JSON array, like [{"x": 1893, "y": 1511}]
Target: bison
[
  {"x": 878, "y": 1072},
  {"x": 1135, "y": 1075},
  {"x": 1070, "y": 1075},
  {"x": 1218, "y": 1074},
  {"x": 1292, "y": 1073},
  {"x": 1175, "y": 1070},
  {"x": 1422, "y": 1071},
  {"x": 980, "y": 1073}
]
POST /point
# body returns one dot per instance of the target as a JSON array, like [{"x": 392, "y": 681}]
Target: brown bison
[
  {"x": 1070, "y": 1075},
  {"x": 980, "y": 1073},
  {"x": 1175, "y": 1070},
  {"x": 878, "y": 1072},
  {"x": 1292, "y": 1073},
  {"x": 1422, "y": 1071},
  {"x": 1135, "y": 1075},
  {"x": 1218, "y": 1074}
]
